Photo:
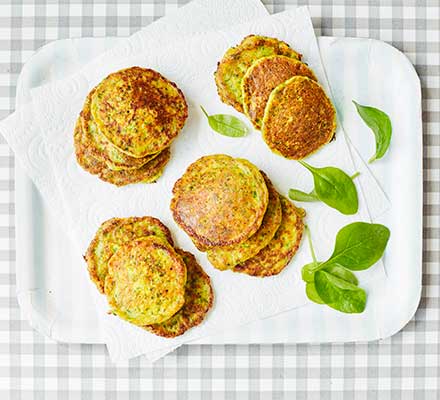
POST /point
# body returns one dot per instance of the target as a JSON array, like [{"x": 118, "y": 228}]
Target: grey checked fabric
[{"x": 406, "y": 366}]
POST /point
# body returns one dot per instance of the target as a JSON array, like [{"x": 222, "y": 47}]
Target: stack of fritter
[
  {"x": 231, "y": 210},
  {"x": 265, "y": 79},
  {"x": 127, "y": 124},
  {"x": 147, "y": 281}
]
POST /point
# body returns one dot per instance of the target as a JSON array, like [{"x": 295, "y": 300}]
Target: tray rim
[{"x": 23, "y": 184}]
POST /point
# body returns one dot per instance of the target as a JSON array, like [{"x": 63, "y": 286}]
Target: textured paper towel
[
  {"x": 26, "y": 138},
  {"x": 238, "y": 297},
  {"x": 197, "y": 16}
]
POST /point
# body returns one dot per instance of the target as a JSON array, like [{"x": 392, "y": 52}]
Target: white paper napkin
[
  {"x": 26, "y": 138},
  {"x": 196, "y": 16},
  {"x": 65, "y": 102}
]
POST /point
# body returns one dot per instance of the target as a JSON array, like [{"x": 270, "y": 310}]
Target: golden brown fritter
[
  {"x": 145, "y": 283},
  {"x": 112, "y": 234},
  {"x": 273, "y": 258},
  {"x": 226, "y": 257},
  {"x": 101, "y": 148},
  {"x": 148, "y": 173},
  {"x": 199, "y": 297},
  {"x": 299, "y": 118},
  {"x": 139, "y": 110},
  {"x": 264, "y": 76},
  {"x": 238, "y": 59},
  {"x": 220, "y": 200}
]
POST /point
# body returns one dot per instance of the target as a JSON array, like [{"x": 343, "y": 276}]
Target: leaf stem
[
  {"x": 204, "y": 112},
  {"x": 305, "y": 165},
  {"x": 355, "y": 175},
  {"x": 312, "y": 250}
]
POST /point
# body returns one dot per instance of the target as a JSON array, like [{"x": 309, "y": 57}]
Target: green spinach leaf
[
  {"x": 308, "y": 273},
  {"x": 380, "y": 124},
  {"x": 342, "y": 273},
  {"x": 335, "y": 188},
  {"x": 226, "y": 125},
  {"x": 358, "y": 246},
  {"x": 312, "y": 294},
  {"x": 298, "y": 195},
  {"x": 308, "y": 270},
  {"x": 340, "y": 294}
]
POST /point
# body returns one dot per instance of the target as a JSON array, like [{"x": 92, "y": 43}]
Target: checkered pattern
[{"x": 406, "y": 366}]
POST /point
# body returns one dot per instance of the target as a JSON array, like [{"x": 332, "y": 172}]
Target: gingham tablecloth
[{"x": 406, "y": 366}]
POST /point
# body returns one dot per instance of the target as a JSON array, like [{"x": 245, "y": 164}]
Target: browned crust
[
  {"x": 84, "y": 155},
  {"x": 264, "y": 76},
  {"x": 145, "y": 96},
  {"x": 202, "y": 242},
  {"x": 86, "y": 158},
  {"x": 89, "y": 258},
  {"x": 149, "y": 173},
  {"x": 259, "y": 266},
  {"x": 107, "y": 227},
  {"x": 151, "y": 242},
  {"x": 191, "y": 314},
  {"x": 299, "y": 118},
  {"x": 218, "y": 257},
  {"x": 127, "y": 162},
  {"x": 250, "y": 41}
]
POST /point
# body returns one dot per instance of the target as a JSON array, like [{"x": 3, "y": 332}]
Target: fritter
[
  {"x": 146, "y": 281},
  {"x": 149, "y": 173},
  {"x": 84, "y": 155},
  {"x": 199, "y": 246},
  {"x": 273, "y": 258},
  {"x": 199, "y": 297},
  {"x": 139, "y": 110},
  {"x": 114, "y": 233},
  {"x": 220, "y": 200},
  {"x": 86, "y": 158},
  {"x": 238, "y": 59},
  {"x": 299, "y": 118},
  {"x": 226, "y": 257},
  {"x": 102, "y": 148},
  {"x": 265, "y": 75}
]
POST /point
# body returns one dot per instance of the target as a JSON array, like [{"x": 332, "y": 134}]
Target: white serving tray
[{"x": 54, "y": 298}]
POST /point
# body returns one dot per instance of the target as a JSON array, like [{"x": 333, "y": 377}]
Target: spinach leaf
[
  {"x": 335, "y": 270},
  {"x": 308, "y": 270},
  {"x": 312, "y": 294},
  {"x": 359, "y": 245},
  {"x": 335, "y": 188},
  {"x": 298, "y": 195},
  {"x": 340, "y": 294},
  {"x": 226, "y": 125},
  {"x": 380, "y": 124},
  {"x": 308, "y": 273},
  {"x": 342, "y": 273}
]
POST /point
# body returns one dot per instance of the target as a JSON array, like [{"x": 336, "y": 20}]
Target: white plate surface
[{"x": 51, "y": 293}]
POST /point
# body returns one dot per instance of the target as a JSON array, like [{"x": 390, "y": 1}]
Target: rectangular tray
[{"x": 51, "y": 292}]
